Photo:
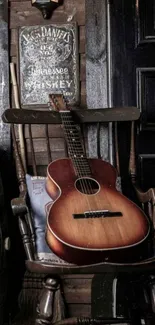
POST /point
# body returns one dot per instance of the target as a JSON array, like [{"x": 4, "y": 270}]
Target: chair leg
[
  {"x": 150, "y": 314},
  {"x": 46, "y": 303},
  {"x": 152, "y": 292}
]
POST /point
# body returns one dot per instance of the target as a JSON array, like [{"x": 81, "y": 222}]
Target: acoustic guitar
[{"x": 90, "y": 221}]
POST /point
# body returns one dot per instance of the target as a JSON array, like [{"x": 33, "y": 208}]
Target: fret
[
  {"x": 74, "y": 141},
  {"x": 78, "y": 157},
  {"x": 84, "y": 164},
  {"x": 82, "y": 171},
  {"x": 82, "y": 168},
  {"x": 81, "y": 160},
  {"x": 75, "y": 149},
  {"x": 79, "y": 148},
  {"x": 86, "y": 170},
  {"x": 71, "y": 131}
]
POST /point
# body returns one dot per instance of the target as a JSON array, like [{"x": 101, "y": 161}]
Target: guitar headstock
[{"x": 58, "y": 102}]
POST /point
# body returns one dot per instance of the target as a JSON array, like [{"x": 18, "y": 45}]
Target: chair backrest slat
[
  {"x": 116, "y": 148},
  {"x": 32, "y": 151},
  {"x": 19, "y": 166},
  {"x": 48, "y": 144}
]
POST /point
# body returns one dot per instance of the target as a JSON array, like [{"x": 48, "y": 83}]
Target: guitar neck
[{"x": 75, "y": 148}]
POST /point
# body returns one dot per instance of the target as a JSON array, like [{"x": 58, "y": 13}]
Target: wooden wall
[{"x": 77, "y": 289}]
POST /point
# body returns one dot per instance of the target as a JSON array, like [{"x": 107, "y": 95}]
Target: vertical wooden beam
[
  {"x": 5, "y": 175},
  {"x": 124, "y": 77},
  {"x": 4, "y": 76},
  {"x": 96, "y": 53},
  {"x": 96, "y": 70}
]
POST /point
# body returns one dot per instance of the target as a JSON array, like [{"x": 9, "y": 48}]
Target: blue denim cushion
[{"x": 38, "y": 200}]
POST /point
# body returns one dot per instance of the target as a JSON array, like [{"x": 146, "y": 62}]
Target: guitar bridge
[{"x": 97, "y": 214}]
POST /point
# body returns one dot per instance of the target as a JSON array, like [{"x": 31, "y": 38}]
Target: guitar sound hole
[{"x": 87, "y": 185}]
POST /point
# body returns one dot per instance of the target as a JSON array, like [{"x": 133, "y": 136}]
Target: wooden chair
[{"x": 21, "y": 209}]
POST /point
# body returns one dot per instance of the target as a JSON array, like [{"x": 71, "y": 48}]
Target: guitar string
[
  {"x": 68, "y": 124},
  {"x": 86, "y": 168},
  {"x": 82, "y": 182},
  {"x": 85, "y": 183},
  {"x": 65, "y": 129},
  {"x": 84, "y": 164},
  {"x": 91, "y": 190},
  {"x": 56, "y": 105},
  {"x": 72, "y": 152}
]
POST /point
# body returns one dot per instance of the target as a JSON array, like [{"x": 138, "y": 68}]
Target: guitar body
[{"x": 80, "y": 238}]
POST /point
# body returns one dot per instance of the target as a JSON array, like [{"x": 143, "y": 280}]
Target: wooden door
[
  {"x": 133, "y": 76},
  {"x": 120, "y": 71}
]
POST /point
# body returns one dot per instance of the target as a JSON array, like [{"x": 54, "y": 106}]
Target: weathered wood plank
[
  {"x": 96, "y": 53},
  {"x": 42, "y": 157},
  {"x": 77, "y": 291},
  {"x": 26, "y": 18},
  {"x": 96, "y": 69},
  {"x": 82, "y": 67},
  {"x": 75, "y": 9},
  {"x": 79, "y": 310},
  {"x": 58, "y": 150},
  {"x": 56, "y": 144},
  {"x": 23, "y": 14},
  {"x": 39, "y": 131},
  {"x": 83, "y": 94},
  {"x": 20, "y": 6},
  {"x": 27, "y": 116},
  {"x": 81, "y": 39},
  {"x": 41, "y": 170},
  {"x": 13, "y": 50},
  {"x": 14, "y": 59},
  {"x": 13, "y": 36}
]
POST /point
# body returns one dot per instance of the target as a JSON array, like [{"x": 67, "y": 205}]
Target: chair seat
[{"x": 146, "y": 265}]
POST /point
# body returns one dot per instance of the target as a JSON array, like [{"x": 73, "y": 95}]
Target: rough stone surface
[{"x": 4, "y": 76}]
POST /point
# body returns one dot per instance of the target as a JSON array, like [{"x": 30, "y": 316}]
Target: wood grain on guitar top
[{"x": 105, "y": 233}]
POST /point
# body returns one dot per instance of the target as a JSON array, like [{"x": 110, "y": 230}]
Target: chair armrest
[
  {"x": 147, "y": 197},
  {"x": 144, "y": 197},
  {"x": 20, "y": 209}
]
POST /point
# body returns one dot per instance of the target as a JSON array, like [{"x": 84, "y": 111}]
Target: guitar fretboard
[{"x": 75, "y": 148}]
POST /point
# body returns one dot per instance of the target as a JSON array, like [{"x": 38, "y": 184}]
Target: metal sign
[{"x": 48, "y": 63}]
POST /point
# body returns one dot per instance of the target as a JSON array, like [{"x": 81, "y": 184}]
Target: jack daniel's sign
[{"x": 48, "y": 58}]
